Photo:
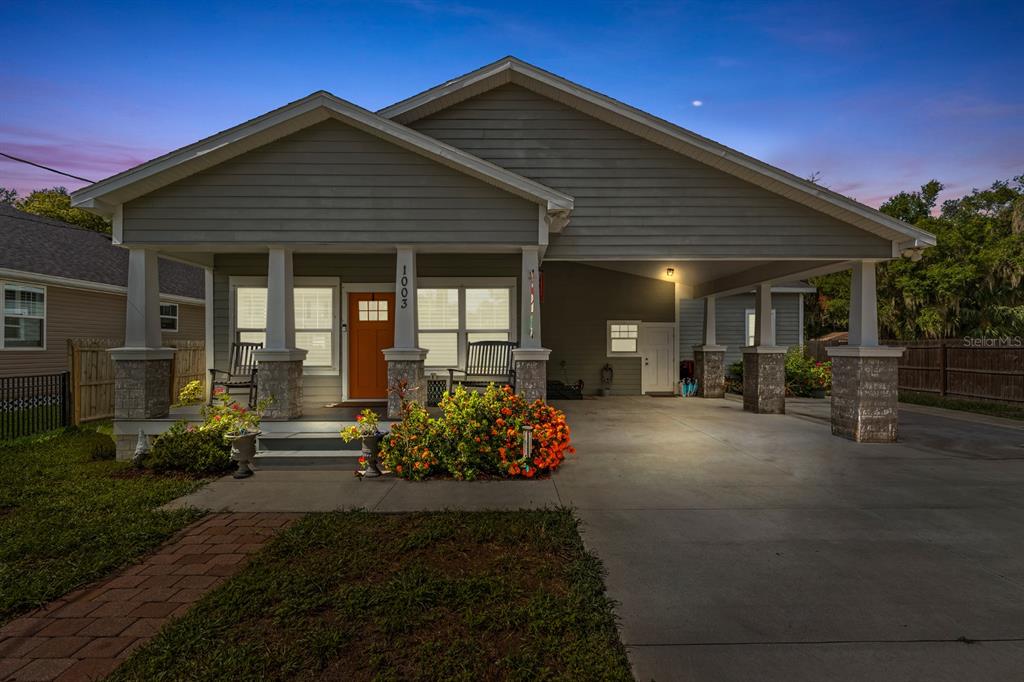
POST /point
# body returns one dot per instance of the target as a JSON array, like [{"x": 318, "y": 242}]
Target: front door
[
  {"x": 656, "y": 342},
  {"x": 371, "y": 329}
]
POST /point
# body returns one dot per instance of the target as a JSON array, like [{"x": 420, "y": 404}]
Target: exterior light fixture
[{"x": 670, "y": 272}]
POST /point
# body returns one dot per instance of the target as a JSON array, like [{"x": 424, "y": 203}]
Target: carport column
[
  {"x": 530, "y": 358},
  {"x": 405, "y": 360},
  {"x": 764, "y": 363},
  {"x": 142, "y": 368},
  {"x": 709, "y": 358},
  {"x": 279, "y": 362},
  {"x": 864, "y": 374}
]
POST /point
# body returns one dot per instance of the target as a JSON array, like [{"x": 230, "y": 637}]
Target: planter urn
[
  {"x": 243, "y": 450},
  {"x": 371, "y": 451}
]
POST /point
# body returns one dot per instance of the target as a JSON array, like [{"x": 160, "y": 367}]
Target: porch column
[
  {"x": 864, "y": 374},
  {"x": 709, "y": 357},
  {"x": 764, "y": 363},
  {"x": 279, "y": 362},
  {"x": 142, "y": 367},
  {"x": 405, "y": 359},
  {"x": 530, "y": 358}
]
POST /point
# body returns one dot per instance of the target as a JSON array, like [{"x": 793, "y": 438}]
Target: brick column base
[
  {"x": 531, "y": 365},
  {"x": 279, "y": 377},
  {"x": 142, "y": 382},
  {"x": 864, "y": 392},
  {"x": 764, "y": 379},
  {"x": 709, "y": 371},
  {"x": 405, "y": 376}
]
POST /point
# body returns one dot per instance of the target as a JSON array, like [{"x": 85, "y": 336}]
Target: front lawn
[
  {"x": 990, "y": 408},
  {"x": 426, "y": 596},
  {"x": 66, "y": 520}
]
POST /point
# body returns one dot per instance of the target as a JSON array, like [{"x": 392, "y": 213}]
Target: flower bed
[{"x": 477, "y": 435}]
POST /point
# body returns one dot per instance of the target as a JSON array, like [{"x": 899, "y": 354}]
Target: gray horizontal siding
[
  {"x": 730, "y": 323},
  {"x": 578, "y": 302},
  {"x": 330, "y": 183},
  {"x": 320, "y": 389},
  {"x": 633, "y": 197}
]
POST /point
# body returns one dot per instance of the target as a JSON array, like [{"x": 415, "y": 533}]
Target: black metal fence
[{"x": 32, "y": 404}]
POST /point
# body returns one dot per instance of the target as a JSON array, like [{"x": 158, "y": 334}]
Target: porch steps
[{"x": 306, "y": 444}]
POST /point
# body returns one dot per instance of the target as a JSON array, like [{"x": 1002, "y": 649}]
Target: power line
[{"x": 39, "y": 165}]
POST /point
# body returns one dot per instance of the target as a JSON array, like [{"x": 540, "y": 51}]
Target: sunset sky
[{"x": 877, "y": 97}]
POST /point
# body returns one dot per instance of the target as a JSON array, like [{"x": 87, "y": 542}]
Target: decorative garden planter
[
  {"x": 371, "y": 451},
  {"x": 243, "y": 450}
]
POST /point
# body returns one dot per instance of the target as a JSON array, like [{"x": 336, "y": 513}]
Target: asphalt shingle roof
[{"x": 45, "y": 246}]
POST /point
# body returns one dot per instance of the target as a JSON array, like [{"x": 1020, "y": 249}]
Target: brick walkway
[{"x": 87, "y": 633}]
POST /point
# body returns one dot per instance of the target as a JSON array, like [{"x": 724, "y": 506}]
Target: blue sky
[{"x": 878, "y": 97}]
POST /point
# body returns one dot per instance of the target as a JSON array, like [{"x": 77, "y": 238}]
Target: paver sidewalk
[{"x": 87, "y": 633}]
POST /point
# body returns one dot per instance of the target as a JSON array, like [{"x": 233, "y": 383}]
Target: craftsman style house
[{"x": 366, "y": 250}]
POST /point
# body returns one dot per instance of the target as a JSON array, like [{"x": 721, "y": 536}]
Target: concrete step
[
  {"x": 321, "y": 459},
  {"x": 304, "y": 441}
]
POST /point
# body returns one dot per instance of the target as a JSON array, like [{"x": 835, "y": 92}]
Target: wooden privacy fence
[
  {"x": 92, "y": 375},
  {"x": 955, "y": 367}
]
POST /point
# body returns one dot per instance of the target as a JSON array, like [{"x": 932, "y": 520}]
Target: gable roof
[
  {"x": 103, "y": 196},
  {"x": 44, "y": 246},
  {"x": 512, "y": 70}
]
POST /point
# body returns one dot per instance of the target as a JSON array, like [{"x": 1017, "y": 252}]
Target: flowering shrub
[
  {"x": 366, "y": 426},
  {"x": 477, "y": 434},
  {"x": 804, "y": 375},
  {"x": 191, "y": 393}
]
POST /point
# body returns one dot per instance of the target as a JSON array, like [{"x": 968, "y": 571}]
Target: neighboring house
[
  {"x": 735, "y": 320},
  {"x": 368, "y": 249},
  {"x": 60, "y": 281}
]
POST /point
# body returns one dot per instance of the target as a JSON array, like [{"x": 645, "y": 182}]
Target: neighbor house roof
[
  {"x": 103, "y": 196},
  {"x": 55, "y": 249},
  {"x": 657, "y": 130}
]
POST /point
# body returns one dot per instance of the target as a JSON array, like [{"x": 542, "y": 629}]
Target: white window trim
[
  {"x": 177, "y": 313},
  {"x": 463, "y": 283},
  {"x": 749, "y": 334},
  {"x": 45, "y": 318},
  {"x": 608, "y": 339},
  {"x": 332, "y": 282}
]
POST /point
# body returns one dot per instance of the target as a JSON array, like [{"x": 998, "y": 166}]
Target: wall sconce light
[{"x": 670, "y": 272}]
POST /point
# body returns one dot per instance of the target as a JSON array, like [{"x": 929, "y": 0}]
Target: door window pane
[
  {"x": 487, "y": 308},
  {"x": 438, "y": 308},
  {"x": 442, "y": 348},
  {"x": 373, "y": 311}
]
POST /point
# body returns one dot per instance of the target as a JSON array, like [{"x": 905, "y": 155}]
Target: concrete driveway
[{"x": 760, "y": 547}]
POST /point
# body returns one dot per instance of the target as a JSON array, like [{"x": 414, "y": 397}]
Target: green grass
[
  {"x": 981, "y": 407},
  {"x": 427, "y": 596},
  {"x": 13, "y": 423},
  {"x": 66, "y": 520}
]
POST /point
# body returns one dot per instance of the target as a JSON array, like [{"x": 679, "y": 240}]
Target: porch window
[
  {"x": 169, "y": 317},
  {"x": 622, "y": 337},
  {"x": 314, "y": 321},
  {"x": 750, "y": 325},
  {"x": 23, "y": 317},
  {"x": 452, "y": 317}
]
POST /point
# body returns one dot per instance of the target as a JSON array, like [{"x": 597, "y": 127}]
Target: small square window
[
  {"x": 169, "y": 317},
  {"x": 373, "y": 311},
  {"x": 623, "y": 338}
]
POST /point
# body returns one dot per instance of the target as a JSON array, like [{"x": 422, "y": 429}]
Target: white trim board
[{"x": 86, "y": 285}]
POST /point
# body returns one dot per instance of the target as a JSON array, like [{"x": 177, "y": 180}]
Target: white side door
[{"x": 657, "y": 340}]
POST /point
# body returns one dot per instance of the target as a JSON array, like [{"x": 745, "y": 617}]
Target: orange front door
[{"x": 371, "y": 329}]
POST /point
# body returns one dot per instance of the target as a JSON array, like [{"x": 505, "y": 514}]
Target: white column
[
  {"x": 529, "y": 300},
  {"x": 280, "y": 300},
  {"x": 405, "y": 298},
  {"x": 142, "y": 318},
  {"x": 764, "y": 330},
  {"x": 709, "y": 321},
  {"x": 863, "y": 305}
]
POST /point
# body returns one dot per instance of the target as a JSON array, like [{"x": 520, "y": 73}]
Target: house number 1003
[{"x": 404, "y": 283}]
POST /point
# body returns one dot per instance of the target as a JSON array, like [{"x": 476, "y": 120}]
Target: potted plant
[
  {"x": 239, "y": 426},
  {"x": 367, "y": 430}
]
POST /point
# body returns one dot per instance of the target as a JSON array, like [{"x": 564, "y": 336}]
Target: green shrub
[
  {"x": 410, "y": 447},
  {"x": 100, "y": 446},
  {"x": 192, "y": 451},
  {"x": 804, "y": 375}
]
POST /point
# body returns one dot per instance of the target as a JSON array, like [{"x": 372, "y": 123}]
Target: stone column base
[
  {"x": 142, "y": 382},
  {"x": 864, "y": 392},
  {"x": 764, "y": 379},
  {"x": 709, "y": 371},
  {"x": 279, "y": 377},
  {"x": 531, "y": 365},
  {"x": 405, "y": 378}
]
